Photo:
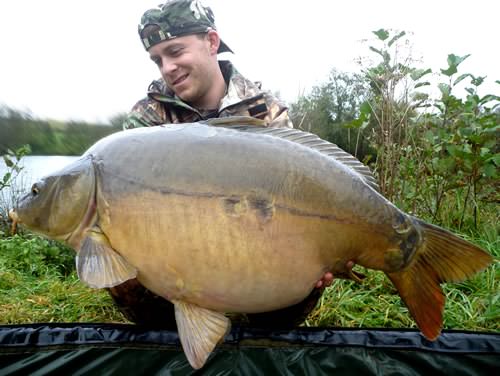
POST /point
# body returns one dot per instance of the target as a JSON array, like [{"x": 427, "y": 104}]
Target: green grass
[{"x": 38, "y": 283}]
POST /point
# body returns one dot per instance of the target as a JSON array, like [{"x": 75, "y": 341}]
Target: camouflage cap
[{"x": 177, "y": 18}]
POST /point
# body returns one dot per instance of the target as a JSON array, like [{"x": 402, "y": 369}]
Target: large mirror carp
[{"x": 220, "y": 218}]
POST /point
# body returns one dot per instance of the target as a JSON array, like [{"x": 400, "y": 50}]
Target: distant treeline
[{"x": 48, "y": 137}]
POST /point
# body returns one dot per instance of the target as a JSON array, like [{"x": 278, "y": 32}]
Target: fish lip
[{"x": 14, "y": 217}]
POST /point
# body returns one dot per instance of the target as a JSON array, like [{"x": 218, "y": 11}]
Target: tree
[{"x": 330, "y": 109}]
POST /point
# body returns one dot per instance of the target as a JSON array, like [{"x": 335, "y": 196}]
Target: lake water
[{"x": 35, "y": 167}]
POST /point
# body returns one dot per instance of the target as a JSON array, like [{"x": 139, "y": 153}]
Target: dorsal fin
[
  {"x": 230, "y": 121},
  {"x": 303, "y": 138}
]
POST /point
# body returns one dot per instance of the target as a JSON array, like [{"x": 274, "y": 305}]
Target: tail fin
[{"x": 443, "y": 257}]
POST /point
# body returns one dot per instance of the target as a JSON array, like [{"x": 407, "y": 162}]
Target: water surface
[{"x": 34, "y": 168}]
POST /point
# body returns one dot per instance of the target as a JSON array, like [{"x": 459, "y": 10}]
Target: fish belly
[
  {"x": 196, "y": 249},
  {"x": 231, "y": 221}
]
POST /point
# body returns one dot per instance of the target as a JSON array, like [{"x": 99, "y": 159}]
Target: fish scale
[{"x": 231, "y": 216}]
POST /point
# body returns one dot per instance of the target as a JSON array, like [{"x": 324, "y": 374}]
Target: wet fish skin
[{"x": 238, "y": 221}]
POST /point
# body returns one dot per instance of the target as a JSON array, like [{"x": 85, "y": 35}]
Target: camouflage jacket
[{"x": 243, "y": 98}]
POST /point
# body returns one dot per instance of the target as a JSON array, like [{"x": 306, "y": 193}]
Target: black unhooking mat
[{"x": 83, "y": 349}]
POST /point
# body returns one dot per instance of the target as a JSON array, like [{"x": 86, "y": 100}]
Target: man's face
[{"x": 187, "y": 65}]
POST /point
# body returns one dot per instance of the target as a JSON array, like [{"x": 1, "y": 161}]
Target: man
[{"x": 182, "y": 41}]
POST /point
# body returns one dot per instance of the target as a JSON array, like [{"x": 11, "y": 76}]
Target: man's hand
[{"x": 327, "y": 279}]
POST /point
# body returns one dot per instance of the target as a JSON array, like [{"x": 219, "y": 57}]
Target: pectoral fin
[
  {"x": 200, "y": 330},
  {"x": 99, "y": 265}
]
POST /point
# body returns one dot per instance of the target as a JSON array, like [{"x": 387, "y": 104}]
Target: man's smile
[{"x": 179, "y": 80}]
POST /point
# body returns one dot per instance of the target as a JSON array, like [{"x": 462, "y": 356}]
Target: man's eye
[
  {"x": 175, "y": 51},
  {"x": 157, "y": 62}
]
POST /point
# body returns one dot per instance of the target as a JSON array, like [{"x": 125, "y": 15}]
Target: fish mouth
[
  {"x": 15, "y": 221},
  {"x": 13, "y": 215}
]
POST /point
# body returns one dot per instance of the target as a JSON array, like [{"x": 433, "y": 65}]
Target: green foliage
[
  {"x": 331, "y": 110},
  {"x": 13, "y": 162},
  {"x": 38, "y": 283},
  {"x": 391, "y": 105},
  {"x": 435, "y": 158},
  {"x": 429, "y": 161},
  {"x": 36, "y": 256},
  {"x": 454, "y": 153},
  {"x": 50, "y": 137},
  {"x": 453, "y": 62}
]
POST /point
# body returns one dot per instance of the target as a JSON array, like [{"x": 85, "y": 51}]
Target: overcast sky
[{"x": 82, "y": 60}]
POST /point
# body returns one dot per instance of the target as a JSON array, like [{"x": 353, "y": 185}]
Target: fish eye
[{"x": 35, "y": 190}]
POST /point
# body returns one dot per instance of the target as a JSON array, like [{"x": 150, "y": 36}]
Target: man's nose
[{"x": 168, "y": 66}]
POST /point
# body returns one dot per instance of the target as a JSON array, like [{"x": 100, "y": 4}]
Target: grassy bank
[{"x": 38, "y": 283}]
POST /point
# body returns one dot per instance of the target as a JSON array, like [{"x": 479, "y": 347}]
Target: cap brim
[{"x": 223, "y": 47}]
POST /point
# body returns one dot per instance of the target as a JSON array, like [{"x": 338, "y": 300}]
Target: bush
[{"x": 36, "y": 256}]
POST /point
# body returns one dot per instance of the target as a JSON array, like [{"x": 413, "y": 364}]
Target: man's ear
[{"x": 214, "y": 40}]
